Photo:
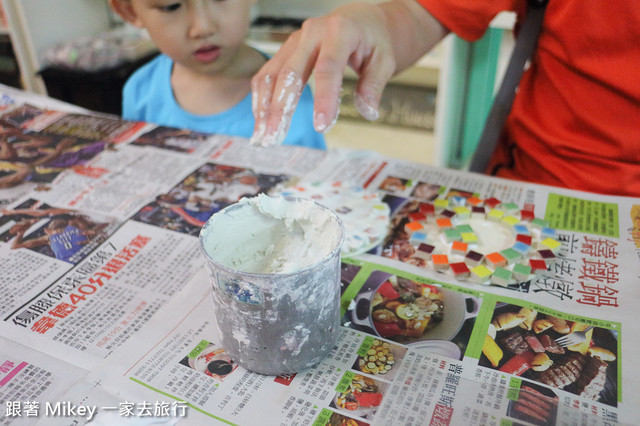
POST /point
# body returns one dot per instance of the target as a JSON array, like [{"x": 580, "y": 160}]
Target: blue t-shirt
[{"x": 148, "y": 96}]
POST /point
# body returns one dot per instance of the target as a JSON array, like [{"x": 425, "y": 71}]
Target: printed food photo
[
  {"x": 569, "y": 355},
  {"x": 412, "y": 312},
  {"x": 338, "y": 419},
  {"x": 212, "y": 361},
  {"x": 362, "y": 397},
  {"x": 379, "y": 358},
  {"x": 534, "y": 404}
]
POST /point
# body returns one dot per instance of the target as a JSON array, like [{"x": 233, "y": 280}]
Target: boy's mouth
[{"x": 207, "y": 54}]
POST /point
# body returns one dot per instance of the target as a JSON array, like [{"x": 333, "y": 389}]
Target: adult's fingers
[
  {"x": 261, "y": 92},
  {"x": 277, "y": 88},
  {"x": 286, "y": 94},
  {"x": 340, "y": 39},
  {"x": 354, "y": 35},
  {"x": 318, "y": 47},
  {"x": 373, "y": 77},
  {"x": 357, "y": 37}
]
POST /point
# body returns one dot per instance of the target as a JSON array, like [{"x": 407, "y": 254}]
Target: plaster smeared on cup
[
  {"x": 294, "y": 339},
  {"x": 275, "y": 266},
  {"x": 241, "y": 337}
]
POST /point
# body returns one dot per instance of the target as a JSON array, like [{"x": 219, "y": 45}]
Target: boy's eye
[{"x": 171, "y": 7}]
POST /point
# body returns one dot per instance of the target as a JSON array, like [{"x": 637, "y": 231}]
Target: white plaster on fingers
[
  {"x": 320, "y": 120},
  {"x": 366, "y": 108},
  {"x": 258, "y": 135}
]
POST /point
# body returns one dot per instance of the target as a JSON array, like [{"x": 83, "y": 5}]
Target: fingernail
[
  {"x": 365, "y": 108},
  {"x": 319, "y": 122},
  {"x": 335, "y": 119},
  {"x": 258, "y": 135}
]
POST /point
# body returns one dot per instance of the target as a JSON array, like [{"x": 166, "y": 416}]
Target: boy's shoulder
[{"x": 150, "y": 72}]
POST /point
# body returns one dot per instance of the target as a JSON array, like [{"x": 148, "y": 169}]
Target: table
[{"x": 107, "y": 314}]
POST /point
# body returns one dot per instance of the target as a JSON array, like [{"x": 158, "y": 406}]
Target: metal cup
[{"x": 274, "y": 323}]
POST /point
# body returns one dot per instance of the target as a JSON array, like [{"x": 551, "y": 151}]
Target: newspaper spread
[{"x": 107, "y": 315}]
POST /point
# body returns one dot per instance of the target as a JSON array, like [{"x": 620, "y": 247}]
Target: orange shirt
[{"x": 575, "y": 121}]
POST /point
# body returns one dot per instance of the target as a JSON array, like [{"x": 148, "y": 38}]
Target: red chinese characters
[
  {"x": 99, "y": 278},
  {"x": 599, "y": 270}
]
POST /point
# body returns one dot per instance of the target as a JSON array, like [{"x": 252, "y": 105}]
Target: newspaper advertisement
[{"x": 107, "y": 312}]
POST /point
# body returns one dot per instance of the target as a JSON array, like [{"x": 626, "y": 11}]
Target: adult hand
[{"x": 375, "y": 40}]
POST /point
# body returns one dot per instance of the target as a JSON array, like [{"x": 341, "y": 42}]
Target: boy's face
[{"x": 203, "y": 35}]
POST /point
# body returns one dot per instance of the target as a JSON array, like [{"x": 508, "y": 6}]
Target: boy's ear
[{"x": 124, "y": 8}]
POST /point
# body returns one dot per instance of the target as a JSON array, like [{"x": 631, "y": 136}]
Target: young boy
[{"x": 202, "y": 79}]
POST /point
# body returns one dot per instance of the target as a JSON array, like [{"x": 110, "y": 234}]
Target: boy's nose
[{"x": 203, "y": 21}]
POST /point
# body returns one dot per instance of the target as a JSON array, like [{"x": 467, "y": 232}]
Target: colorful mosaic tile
[
  {"x": 480, "y": 274},
  {"x": 440, "y": 261},
  {"x": 443, "y": 235},
  {"x": 424, "y": 251},
  {"x": 418, "y": 237},
  {"x": 502, "y": 277},
  {"x": 411, "y": 227},
  {"x": 441, "y": 203},
  {"x": 550, "y": 244},
  {"x": 521, "y": 272},
  {"x": 460, "y": 269},
  {"x": 459, "y": 247}
]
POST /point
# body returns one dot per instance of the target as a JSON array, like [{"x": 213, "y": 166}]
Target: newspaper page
[
  {"x": 107, "y": 314},
  {"x": 445, "y": 374}
]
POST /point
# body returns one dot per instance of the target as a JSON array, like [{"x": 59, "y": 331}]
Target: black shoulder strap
[{"x": 523, "y": 50}]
